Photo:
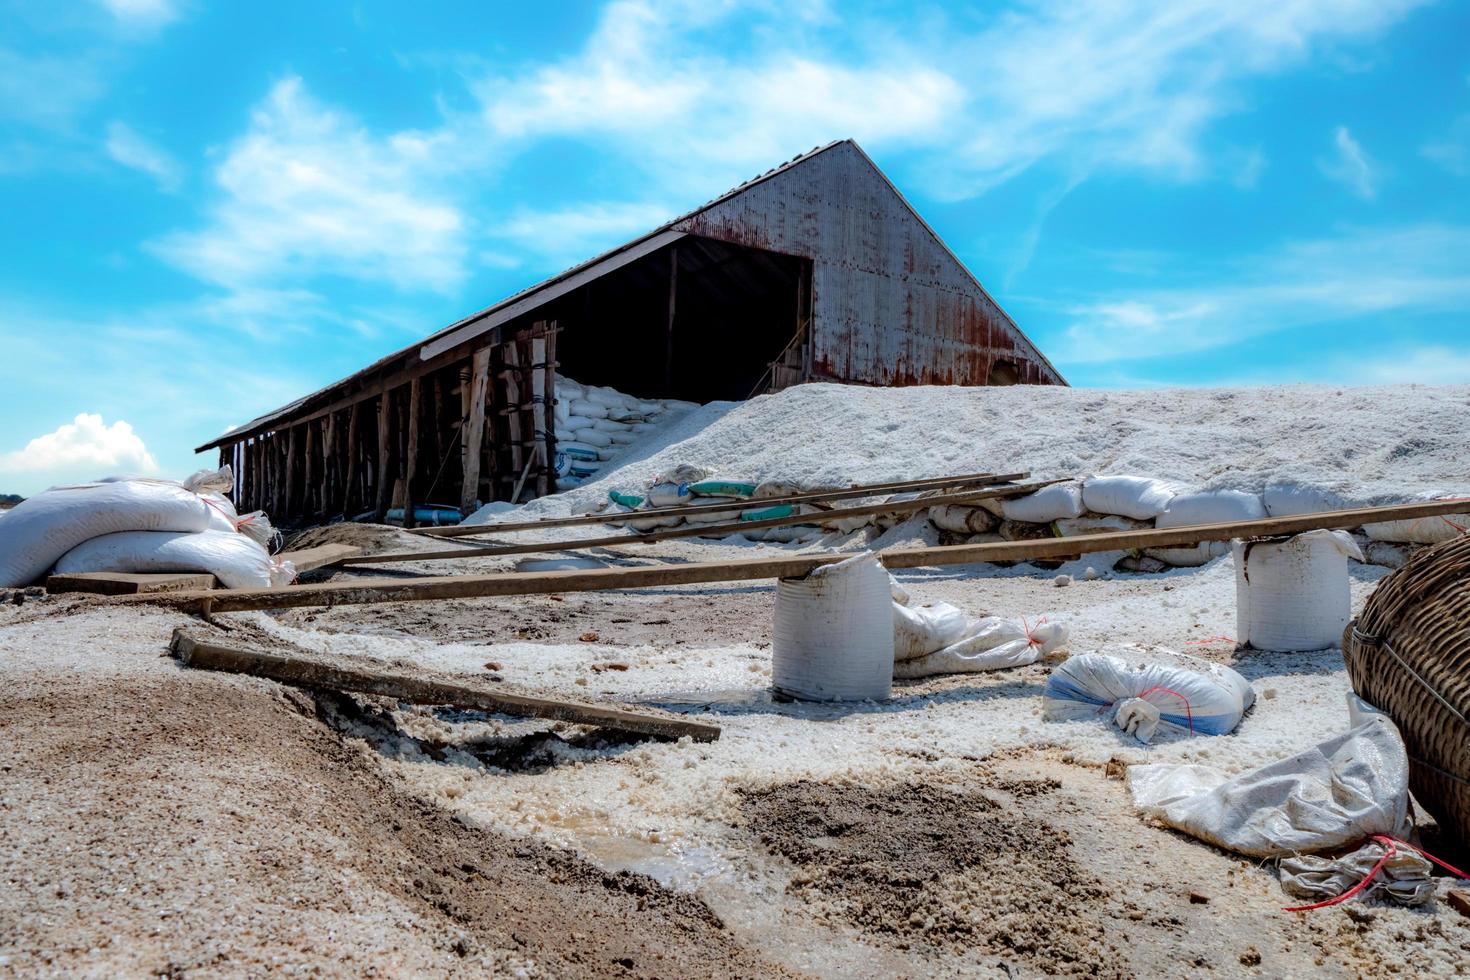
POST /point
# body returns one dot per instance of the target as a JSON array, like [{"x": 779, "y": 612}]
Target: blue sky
[{"x": 210, "y": 209}]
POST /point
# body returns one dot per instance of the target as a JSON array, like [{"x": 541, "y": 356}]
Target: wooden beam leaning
[
  {"x": 417, "y": 688},
  {"x": 709, "y": 530},
  {"x": 849, "y": 493},
  {"x": 749, "y": 569},
  {"x": 474, "y": 430}
]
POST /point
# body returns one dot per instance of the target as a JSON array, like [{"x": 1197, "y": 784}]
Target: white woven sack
[
  {"x": 41, "y": 529},
  {"x": 592, "y": 437},
  {"x": 1189, "y": 695},
  {"x": 568, "y": 390},
  {"x": 992, "y": 643},
  {"x": 1138, "y": 497},
  {"x": 1332, "y": 795},
  {"x": 1045, "y": 505},
  {"x": 1292, "y": 594},
  {"x": 833, "y": 636},
  {"x": 588, "y": 409},
  {"x": 1421, "y": 530},
  {"x": 961, "y": 520},
  {"x": 234, "y": 559},
  {"x": 1286, "y": 499},
  {"x": 919, "y": 630},
  {"x": 1207, "y": 507}
]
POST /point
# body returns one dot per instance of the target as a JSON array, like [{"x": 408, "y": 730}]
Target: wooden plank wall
[{"x": 467, "y": 431}]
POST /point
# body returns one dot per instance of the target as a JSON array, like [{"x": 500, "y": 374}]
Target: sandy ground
[{"x": 157, "y": 820}]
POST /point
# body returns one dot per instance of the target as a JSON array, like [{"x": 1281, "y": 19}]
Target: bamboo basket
[{"x": 1408, "y": 653}]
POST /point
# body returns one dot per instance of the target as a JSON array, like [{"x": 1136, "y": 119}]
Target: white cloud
[
  {"x": 45, "y": 91},
  {"x": 1453, "y": 151},
  {"x": 130, "y": 149},
  {"x": 657, "y": 80},
  {"x": 1387, "y": 272},
  {"x": 142, "y": 14},
  {"x": 1128, "y": 85},
  {"x": 307, "y": 191},
  {"x": 1431, "y": 365},
  {"x": 84, "y": 445},
  {"x": 573, "y": 235},
  {"x": 1351, "y": 165}
]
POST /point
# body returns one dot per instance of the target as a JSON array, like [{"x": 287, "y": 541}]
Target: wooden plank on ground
[
  {"x": 422, "y": 687},
  {"x": 130, "y": 583},
  {"x": 750, "y": 569},
  {"x": 709, "y": 530},
  {"x": 319, "y": 557},
  {"x": 819, "y": 496}
]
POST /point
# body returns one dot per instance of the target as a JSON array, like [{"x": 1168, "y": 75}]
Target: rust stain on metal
[{"x": 896, "y": 307}]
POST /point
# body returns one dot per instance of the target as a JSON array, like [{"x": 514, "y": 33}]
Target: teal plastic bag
[
  {"x": 628, "y": 500},
  {"x": 768, "y": 513},
  {"x": 721, "y": 488}
]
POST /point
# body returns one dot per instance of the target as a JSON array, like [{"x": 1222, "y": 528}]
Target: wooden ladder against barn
[
  {"x": 791, "y": 366},
  {"x": 525, "y": 373}
]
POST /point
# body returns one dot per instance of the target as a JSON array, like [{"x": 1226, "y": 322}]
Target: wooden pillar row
[{"x": 474, "y": 429}]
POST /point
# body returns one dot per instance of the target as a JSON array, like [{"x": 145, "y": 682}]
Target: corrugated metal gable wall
[{"x": 890, "y": 305}]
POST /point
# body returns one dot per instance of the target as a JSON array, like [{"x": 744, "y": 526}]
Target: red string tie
[{"x": 1392, "y": 844}]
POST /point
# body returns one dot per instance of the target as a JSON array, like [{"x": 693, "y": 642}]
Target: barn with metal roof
[{"x": 818, "y": 270}]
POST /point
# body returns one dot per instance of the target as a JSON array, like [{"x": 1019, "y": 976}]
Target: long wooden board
[
  {"x": 707, "y": 530},
  {"x": 427, "y": 688},
  {"x": 593, "y": 580},
  {"x": 322, "y": 555},
  {"x": 816, "y": 496},
  {"x": 130, "y": 583}
]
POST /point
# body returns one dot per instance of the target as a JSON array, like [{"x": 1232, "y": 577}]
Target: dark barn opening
[{"x": 698, "y": 320}]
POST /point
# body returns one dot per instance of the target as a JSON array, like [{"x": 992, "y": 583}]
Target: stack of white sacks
[
  {"x": 1100, "y": 504},
  {"x": 140, "y": 525},
  {"x": 593, "y": 424},
  {"x": 1095, "y": 505}
]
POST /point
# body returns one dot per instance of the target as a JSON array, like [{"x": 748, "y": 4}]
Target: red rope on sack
[
  {"x": 1027, "y": 629},
  {"x": 1188, "y": 713},
  {"x": 1392, "y": 844}
]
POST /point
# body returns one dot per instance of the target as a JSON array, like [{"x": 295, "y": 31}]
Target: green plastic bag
[
  {"x": 626, "y": 499},
  {"x": 768, "y": 513},
  {"x": 721, "y": 488}
]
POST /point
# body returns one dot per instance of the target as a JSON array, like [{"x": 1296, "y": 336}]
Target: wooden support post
[
  {"x": 311, "y": 478},
  {"x": 331, "y": 470},
  {"x": 293, "y": 469},
  {"x": 474, "y": 430},
  {"x": 350, "y": 494},
  {"x": 278, "y": 472},
  {"x": 668, "y": 391},
  {"x": 514, "y": 437},
  {"x": 384, "y": 486},
  {"x": 411, "y": 451},
  {"x": 425, "y": 687},
  {"x": 538, "y": 410},
  {"x": 549, "y": 387}
]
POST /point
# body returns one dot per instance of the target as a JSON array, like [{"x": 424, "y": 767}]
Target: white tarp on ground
[{"x": 1332, "y": 795}]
